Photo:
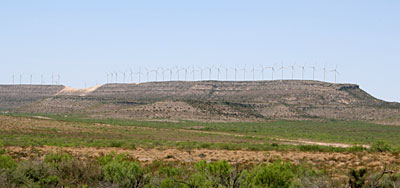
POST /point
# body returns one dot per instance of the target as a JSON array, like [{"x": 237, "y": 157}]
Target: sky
[{"x": 84, "y": 41}]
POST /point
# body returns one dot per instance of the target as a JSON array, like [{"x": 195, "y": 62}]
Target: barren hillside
[{"x": 208, "y": 100}]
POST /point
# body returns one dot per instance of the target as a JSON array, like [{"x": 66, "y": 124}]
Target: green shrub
[
  {"x": 77, "y": 172},
  {"x": 6, "y": 162},
  {"x": 357, "y": 178},
  {"x": 356, "y": 148},
  {"x": 116, "y": 144},
  {"x": 308, "y": 148},
  {"x": 205, "y": 145},
  {"x": 124, "y": 173},
  {"x": 34, "y": 174},
  {"x": 380, "y": 146},
  {"x": 276, "y": 175},
  {"x": 54, "y": 158},
  {"x": 217, "y": 174}
]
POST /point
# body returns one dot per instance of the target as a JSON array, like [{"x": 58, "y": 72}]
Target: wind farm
[{"x": 199, "y": 94}]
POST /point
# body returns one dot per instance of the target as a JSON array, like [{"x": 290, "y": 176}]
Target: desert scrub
[
  {"x": 120, "y": 171},
  {"x": 381, "y": 146},
  {"x": 6, "y": 162}
]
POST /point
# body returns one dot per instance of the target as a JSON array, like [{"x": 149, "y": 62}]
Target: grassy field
[
  {"x": 185, "y": 146},
  {"x": 20, "y": 129}
]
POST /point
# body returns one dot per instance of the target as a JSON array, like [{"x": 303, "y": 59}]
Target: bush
[
  {"x": 116, "y": 144},
  {"x": 276, "y": 175},
  {"x": 54, "y": 159},
  {"x": 356, "y": 148},
  {"x": 35, "y": 174},
  {"x": 381, "y": 146},
  {"x": 6, "y": 162},
  {"x": 357, "y": 178},
  {"x": 118, "y": 170},
  {"x": 217, "y": 174}
]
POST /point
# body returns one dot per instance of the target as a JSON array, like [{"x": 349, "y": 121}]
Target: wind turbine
[
  {"x": 58, "y": 81},
  {"x": 336, "y": 72},
  {"x": 193, "y": 73},
  {"x": 170, "y": 73},
  {"x": 156, "y": 72},
  {"x": 236, "y": 70},
  {"x": 244, "y": 72},
  {"x": 20, "y": 79},
  {"x": 324, "y": 69},
  {"x": 185, "y": 69},
  {"x": 139, "y": 75},
  {"x": 282, "y": 69},
  {"x": 218, "y": 71},
  {"x": 302, "y": 71},
  {"x": 293, "y": 67},
  {"x": 123, "y": 73},
  {"x": 209, "y": 72},
  {"x": 177, "y": 71},
  {"x": 226, "y": 73},
  {"x": 131, "y": 74},
  {"x": 253, "y": 70},
  {"x": 272, "y": 71},
  {"x": 162, "y": 73},
  {"x": 262, "y": 72},
  {"x": 147, "y": 74},
  {"x": 116, "y": 78},
  {"x": 201, "y": 73},
  {"x": 41, "y": 79},
  {"x": 30, "y": 80},
  {"x": 313, "y": 74},
  {"x": 13, "y": 76}
]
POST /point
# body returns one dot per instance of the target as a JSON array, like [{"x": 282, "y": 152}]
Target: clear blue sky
[{"x": 83, "y": 40}]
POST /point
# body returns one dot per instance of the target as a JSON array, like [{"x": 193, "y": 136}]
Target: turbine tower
[
  {"x": 193, "y": 73},
  {"x": 185, "y": 69},
  {"x": 13, "y": 78},
  {"x": 262, "y": 72},
  {"x": 302, "y": 71},
  {"x": 282, "y": 69},
  {"x": 201, "y": 73},
  {"x": 162, "y": 73},
  {"x": 131, "y": 74},
  {"x": 139, "y": 75},
  {"x": 177, "y": 72},
  {"x": 209, "y": 72},
  {"x": 147, "y": 74},
  {"x": 244, "y": 72},
  {"x": 272, "y": 71},
  {"x": 226, "y": 73},
  {"x": 170, "y": 73},
  {"x": 293, "y": 70},
  {"x": 218, "y": 71},
  {"x": 336, "y": 72},
  {"x": 313, "y": 74},
  {"x": 236, "y": 70},
  {"x": 324, "y": 69},
  {"x": 253, "y": 70}
]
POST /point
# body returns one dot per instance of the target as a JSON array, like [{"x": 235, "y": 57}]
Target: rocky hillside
[
  {"x": 13, "y": 96},
  {"x": 208, "y": 100}
]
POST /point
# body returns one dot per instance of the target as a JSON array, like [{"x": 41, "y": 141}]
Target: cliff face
[{"x": 208, "y": 100}]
